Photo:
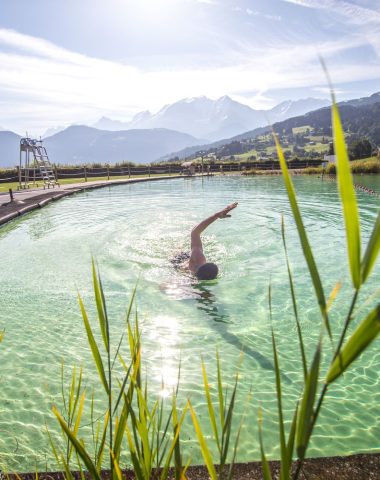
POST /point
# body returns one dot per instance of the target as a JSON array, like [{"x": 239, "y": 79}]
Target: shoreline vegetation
[
  {"x": 366, "y": 166},
  {"x": 136, "y": 430}
]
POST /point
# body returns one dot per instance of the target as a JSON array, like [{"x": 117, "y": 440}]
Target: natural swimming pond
[{"x": 133, "y": 231}]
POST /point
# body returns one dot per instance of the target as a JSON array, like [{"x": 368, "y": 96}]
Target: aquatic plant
[
  {"x": 152, "y": 438},
  {"x": 222, "y": 426},
  {"x": 345, "y": 352}
]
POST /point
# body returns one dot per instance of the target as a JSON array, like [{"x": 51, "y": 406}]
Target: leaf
[
  {"x": 203, "y": 445},
  {"x": 115, "y": 463},
  {"x": 294, "y": 302},
  {"x": 363, "y": 335},
  {"x": 77, "y": 446},
  {"x": 305, "y": 414},
  {"x": 94, "y": 347},
  {"x": 211, "y": 412},
  {"x": 348, "y": 197},
  {"x": 292, "y": 435},
  {"x": 220, "y": 390},
  {"x": 228, "y": 425},
  {"x": 2, "y": 335},
  {"x": 175, "y": 442},
  {"x": 372, "y": 251},
  {"x": 284, "y": 452},
  {"x": 265, "y": 465},
  {"x": 333, "y": 295},
  {"x": 102, "y": 313},
  {"x": 100, "y": 452},
  {"x": 308, "y": 254}
]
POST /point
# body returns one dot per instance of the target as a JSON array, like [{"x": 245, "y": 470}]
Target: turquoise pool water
[{"x": 133, "y": 231}]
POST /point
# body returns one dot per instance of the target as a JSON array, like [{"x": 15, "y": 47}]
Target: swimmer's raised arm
[
  {"x": 197, "y": 230},
  {"x": 197, "y": 262}
]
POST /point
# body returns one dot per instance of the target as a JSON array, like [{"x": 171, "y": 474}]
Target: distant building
[{"x": 329, "y": 158}]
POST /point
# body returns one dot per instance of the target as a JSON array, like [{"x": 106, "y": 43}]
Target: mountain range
[
  {"x": 79, "y": 144},
  {"x": 202, "y": 117},
  {"x": 360, "y": 117}
]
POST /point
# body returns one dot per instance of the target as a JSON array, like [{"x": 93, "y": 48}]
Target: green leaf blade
[
  {"x": 372, "y": 251},
  {"x": 306, "y": 411},
  {"x": 102, "y": 315},
  {"x": 94, "y": 347},
  {"x": 348, "y": 197},
  {"x": 364, "y": 334},
  {"x": 308, "y": 254}
]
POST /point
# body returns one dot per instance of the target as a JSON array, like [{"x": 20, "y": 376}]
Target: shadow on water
[{"x": 207, "y": 302}]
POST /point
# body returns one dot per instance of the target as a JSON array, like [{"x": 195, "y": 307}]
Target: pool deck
[{"x": 27, "y": 200}]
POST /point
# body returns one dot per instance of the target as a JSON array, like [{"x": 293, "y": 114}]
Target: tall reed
[{"x": 345, "y": 352}]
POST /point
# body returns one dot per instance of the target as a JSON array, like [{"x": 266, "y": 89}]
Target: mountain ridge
[{"x": 211, "y": 119}]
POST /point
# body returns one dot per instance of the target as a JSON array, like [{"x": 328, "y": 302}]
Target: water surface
[{"x": 133, "y": 231}]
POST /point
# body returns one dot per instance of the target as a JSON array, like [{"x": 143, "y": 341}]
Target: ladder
[{"x": 41, "y": 163}]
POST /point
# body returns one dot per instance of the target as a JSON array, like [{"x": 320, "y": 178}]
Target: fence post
[
  {"x": 108, "y": 172},
  {"x": 129, "y": 172},
  {"x": 85, "y": 174},
  {"x": 149, "y": 171},
  {"x": 170, "y": 171},
  {"x": 11, "y": 194},
  {"x": 19, "y": 175}
]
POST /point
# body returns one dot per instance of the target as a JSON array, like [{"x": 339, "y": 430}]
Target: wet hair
[{"x": 207, "y": 271}]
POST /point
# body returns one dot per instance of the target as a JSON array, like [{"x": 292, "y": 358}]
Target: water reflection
[{"x": 207, "y": 302}]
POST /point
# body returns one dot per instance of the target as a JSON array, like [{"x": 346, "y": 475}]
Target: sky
[{"x": 72, "y": 61}]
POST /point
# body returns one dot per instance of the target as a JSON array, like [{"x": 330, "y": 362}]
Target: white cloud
[
  {"x": 353, "y": 12},
  {"x": 208, "y": 2},
  {"x": 42, "y": 84}
]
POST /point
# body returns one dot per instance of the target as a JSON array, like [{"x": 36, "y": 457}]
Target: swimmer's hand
[{"x": 225, "y": 212}]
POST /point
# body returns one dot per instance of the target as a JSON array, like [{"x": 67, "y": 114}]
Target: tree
[{"x": 362, "y": 148}]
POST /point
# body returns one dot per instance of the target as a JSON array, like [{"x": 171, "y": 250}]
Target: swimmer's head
[{"x": 207, "y": 271}]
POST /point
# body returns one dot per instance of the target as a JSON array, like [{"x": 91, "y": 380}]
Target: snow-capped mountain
[{"x": 212, "y": 119}]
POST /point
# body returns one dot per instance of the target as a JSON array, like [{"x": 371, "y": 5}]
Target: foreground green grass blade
[
  {"x": 303, "y": 237},
  {"x": 77, "y": 446},
  {"x": 102, "y": 315},
  {"x": 203, "y": 445},
  {"x": 306, "y": 411},
  {"x": 220, "y": 390},
  {"x": 284, "y": 473},
  {"x": 101, "y": 449},
  {"x": 174, "y": 445},
  {"x": 348, "y": 197},
  {"x": 364, "y": 334},
  {"x": 211, "y": 412},
  {"x": 228, "y": 425},
  {"x": 294, "y": 302},
  {"x": 94, "y": 347},
  {"x": 372, "y": 251},
  {"x": 265, "y": 465},
  {"x": 292, "y": 436}
]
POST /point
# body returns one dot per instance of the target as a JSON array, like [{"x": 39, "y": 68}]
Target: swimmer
[{"x": 197, "y": 262}]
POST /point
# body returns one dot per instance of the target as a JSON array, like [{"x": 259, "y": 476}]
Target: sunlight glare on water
[{"x": 133, "y": 231}]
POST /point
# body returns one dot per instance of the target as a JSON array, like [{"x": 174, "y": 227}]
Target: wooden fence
[{"x": 88, "y": 173}]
